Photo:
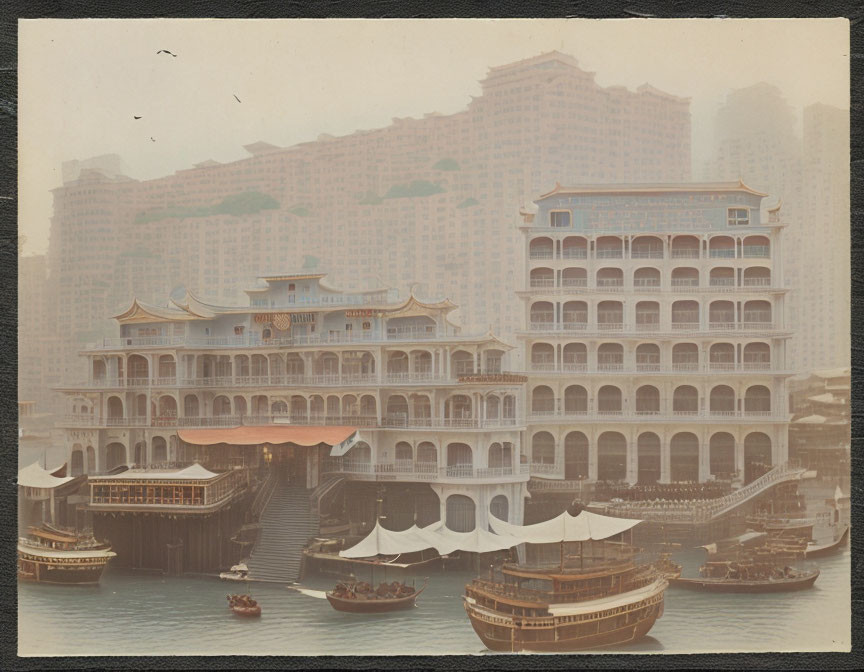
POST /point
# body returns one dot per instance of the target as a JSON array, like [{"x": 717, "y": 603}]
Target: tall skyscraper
[{"x": 757, "y": 141}]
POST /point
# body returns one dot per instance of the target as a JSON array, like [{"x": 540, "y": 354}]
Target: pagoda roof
[
  {"x": 650, "y": 188},
  {"x": 144, "y": 312}
]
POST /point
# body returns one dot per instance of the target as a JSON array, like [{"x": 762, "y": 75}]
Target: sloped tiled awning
[{"x": 253, "y": 436}]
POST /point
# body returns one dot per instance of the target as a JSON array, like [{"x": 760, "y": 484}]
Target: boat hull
[
  {"x": 726, "y": 586},
  {"x": 248, "y": 612},
  {"x": 360, "y": 606},
  {"x": 557, "y": 640},
  {"x": 828, "y": 549},
  {"x": 32, "y": 568}
]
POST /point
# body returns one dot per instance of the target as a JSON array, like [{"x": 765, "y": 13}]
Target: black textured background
[{"x": 11, "y": 11}]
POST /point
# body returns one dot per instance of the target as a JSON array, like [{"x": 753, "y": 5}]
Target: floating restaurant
[{"x": 192, "y": 414}]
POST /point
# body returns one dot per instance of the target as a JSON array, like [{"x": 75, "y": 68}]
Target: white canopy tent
[
  {"x": 382, "y": 541},
  {"x": 586, "y": 526}
]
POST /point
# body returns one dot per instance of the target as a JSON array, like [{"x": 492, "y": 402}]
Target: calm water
[{"x": 133, "y": 614}]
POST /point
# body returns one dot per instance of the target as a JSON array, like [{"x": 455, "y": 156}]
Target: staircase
[{"x": 287, "y": 523}]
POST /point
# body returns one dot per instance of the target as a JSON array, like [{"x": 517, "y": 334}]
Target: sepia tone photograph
[{"x": 364, "y": 337}]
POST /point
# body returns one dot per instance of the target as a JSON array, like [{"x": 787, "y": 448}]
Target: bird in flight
[
  {"x": 152, "y": 138},
  {"x": 134, "y": 117},
  {"x": 236, "y": 98},
  {"x": 165, "y": 51}
]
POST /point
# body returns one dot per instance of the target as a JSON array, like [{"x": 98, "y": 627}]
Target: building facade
[
  {"x": 655, "y": 339},
  {"x": 425, "y": 200},
  {"x": 425, "y": 404}
]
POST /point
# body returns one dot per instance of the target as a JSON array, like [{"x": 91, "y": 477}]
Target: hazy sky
[{"x": 82, "y": 81}]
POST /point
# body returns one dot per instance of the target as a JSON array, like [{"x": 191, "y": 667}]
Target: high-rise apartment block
[
  {"x": 757, "y": 140},
  {"x": 427, "y": 202}
]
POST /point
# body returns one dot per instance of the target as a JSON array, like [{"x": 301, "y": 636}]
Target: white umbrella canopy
[{"x": 584, "y": 527}]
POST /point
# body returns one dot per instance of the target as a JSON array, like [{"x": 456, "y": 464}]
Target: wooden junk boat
[
  {"x": 244, "y": 605},
  {"x": 51, "y": 554},
  {"x": 362, "y": 598},
  {"x": 731, "y": 577},
  {"x": 600, "y": 597},
  {"x": 817, "y": 550}
]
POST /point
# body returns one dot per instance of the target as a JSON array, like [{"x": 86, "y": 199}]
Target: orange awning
[{"x": 274, "y": 434}]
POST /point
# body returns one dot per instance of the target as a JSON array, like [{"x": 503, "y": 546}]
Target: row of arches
[
  {"x": 457, "y": 455},
  {"x": 648, "y": 314},
  {"x": 650, "y": 247},
  {"x": 326, "y": 363},
  {"x": 685, "y": 399},
  {"x": 683, "y": 448},
  {"x": 649, "y": 276},
  {"x": 721, "y": 356}
]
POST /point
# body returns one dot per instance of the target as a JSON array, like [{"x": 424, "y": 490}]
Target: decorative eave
[
  {"x": 283, "y": 277},
  {"x": 683, "y": 187},
  {"x": 776, "y": 208},
  {"x": 413, "y": 306},
  {"x": 142, "y": 312}
]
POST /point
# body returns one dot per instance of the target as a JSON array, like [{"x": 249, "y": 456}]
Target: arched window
[
  {"x": 609, "y": 247},
  {"x": 646, "y": 277},
  {"x": 91, "y": 460},
  {"x": 540, "y": 248},
  {"x": 722, "y": 400},
  {"x": 610, "y": 277},
  {"x": 221, "y": 406},
  {"x": 610, "y": 357},
  {"x": 756, "y": 247},
  {"x": 575, "y": 400},
  {"x": 610, "y": 315},
  {"x": 721, "y": 455},
  {"x": 684, "y": 457},
  {"x": 757, "y": 356},
  {"x": 542, "y": 400},
  {"x": 542, "y": 448},
  {"x": 648, "y": 456},
  {"x": 722, "y": 277},
  {"x": 757, "y": 455},
  {"x": 575, "y": 315},
  {"x": 427, "y": 453},
  {"x": 542, "y": 357},
  {"x": 646, "y": 247},
  {"x": 685, "y": 276},
  {"x": 115, "y": 407},
  {"x": 542, "y": 277},
  {"x": 499, "y": 456},
  {"x": 721, "y": 315},
  {"x": 76, "y": 464},
  {"x": 404, "y": 453},
  {"x": 757, "y": 314},
  {"x": 460, "y": 513},
  {"x": 685, "y": 247},
  {"x": 574, "y": 277},
  {"x": 611, "y": 457},
  {"x": 279, "y": 407},
  {"x": 685, "y": 357},
  {"x": 190, "y": 406},
  {"x": 722, "y": 357},
  {"x": 647, "y": 400},
  {"x": 575, "y": 456},
  {"x": 757, "y": 276},
  {"x": 542, "y": 313},
  {"x": 574, "y": 247},
  {"x": 159, "y": 450},
  {"x": 500, "y": 507},
  {"x": 685, "y": 400},
  {"x": 647, "y": 316},
  {"x": 575, "y": 357},
  {"x": 685, "y": 315},
  {"x": 459, "y": 455},
  {"x": 115, "y": 455},
  {"x": 609, "y": 399},
  {"x": 648, "y": 357},
  {"x": 757, "y": 400}
]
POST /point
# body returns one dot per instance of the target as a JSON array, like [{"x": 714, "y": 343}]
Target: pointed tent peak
[
  {"x": 34, "y": 476},
  {"x": 586, "y": 526}
]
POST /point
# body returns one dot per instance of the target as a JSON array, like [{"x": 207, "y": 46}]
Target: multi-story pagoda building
[
  {"x": 324, "y": 384},
  {"x": 655, "y": 340}
]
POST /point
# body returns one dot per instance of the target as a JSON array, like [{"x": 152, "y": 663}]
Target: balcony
[
  {"x": 616, "y": 253},
  {"x": 656, "y": 367},
  {"x": 662, "y": 416},
  {"x": 756, "y": 252},
  {"x": 722, "y": 253},
  {"x": 673, "y": 329},
  {"x": 388, "y": 422},
  {"x": 574, "y": 253},
  {"x": 542, "y": 468},
  {"x": 238, "y": 342},
  {"x": 646, "y": 254},
  {"x": 408, "y": 470},
  {"x": 687, "y": 253},
  {"x": 541, "y": 254}
]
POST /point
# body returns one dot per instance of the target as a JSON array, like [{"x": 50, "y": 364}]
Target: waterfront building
[
  {"x": 424, "y": 200},
  {"x": 385, "y": 399},
  {"x": 655, "y": 338}
]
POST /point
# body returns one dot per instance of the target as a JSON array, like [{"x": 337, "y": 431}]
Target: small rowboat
[
  {"x": 801, "y": 581},
  {"x": 247, "y": 611},
  {"x": 372, "y": 604},
  {"x": 243, "y": 605}
]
